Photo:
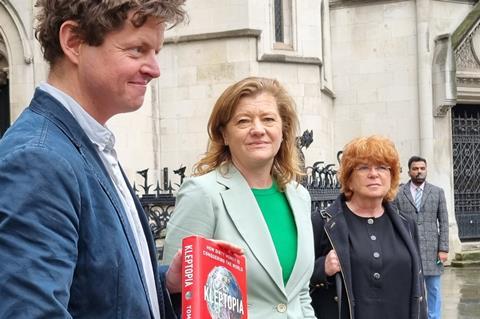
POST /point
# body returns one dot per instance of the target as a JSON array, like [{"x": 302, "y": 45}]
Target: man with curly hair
[{"x": 74, "y": 242}]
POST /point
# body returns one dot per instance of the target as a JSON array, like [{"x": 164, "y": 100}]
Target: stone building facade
[{"x": 405, "y": 69}]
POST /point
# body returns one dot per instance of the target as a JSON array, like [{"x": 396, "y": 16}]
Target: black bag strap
[{"x": 338, "y": 277}]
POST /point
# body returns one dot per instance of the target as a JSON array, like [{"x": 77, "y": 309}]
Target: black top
[{"x": 381, "y": 266}]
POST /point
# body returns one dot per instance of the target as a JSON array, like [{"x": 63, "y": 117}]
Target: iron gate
[{"x": 466, "y": 170}]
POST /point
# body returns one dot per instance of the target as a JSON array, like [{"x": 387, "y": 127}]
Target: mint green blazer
[{"x": 223, "y": 207}]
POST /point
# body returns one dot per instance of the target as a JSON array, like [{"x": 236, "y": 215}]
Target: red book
[{"x": 214, "y": 282}]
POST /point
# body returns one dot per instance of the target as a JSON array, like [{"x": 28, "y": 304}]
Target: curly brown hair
[
  {"x": 96, "y": 18},
  {"x": 286, "y": 163},
  {"x": 373, "y": 149}
]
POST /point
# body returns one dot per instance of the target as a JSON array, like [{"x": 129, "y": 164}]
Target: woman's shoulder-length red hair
[{"x": 375, "y": 149}]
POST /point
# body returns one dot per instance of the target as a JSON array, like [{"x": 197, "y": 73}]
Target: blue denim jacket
[{"x": 66, "y": 249}]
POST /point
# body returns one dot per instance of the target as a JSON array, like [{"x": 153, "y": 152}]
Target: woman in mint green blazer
[{"x": 246, "y": 191}]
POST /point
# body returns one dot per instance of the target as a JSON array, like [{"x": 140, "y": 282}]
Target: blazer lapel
[
  {"x": 110, "y": 190},
  {"x": 105, "y": 181},
  {"x": 408, "y": 194},
  {"x": 242, "y": 207},
  {"x": 299, "y": 207},
  {"x": 426, "y": 192}
]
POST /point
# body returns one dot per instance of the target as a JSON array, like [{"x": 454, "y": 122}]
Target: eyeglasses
[{"x": 365, "y": 169}]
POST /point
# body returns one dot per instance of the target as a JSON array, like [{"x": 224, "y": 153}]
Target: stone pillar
[{"x": 424, "y": 76}]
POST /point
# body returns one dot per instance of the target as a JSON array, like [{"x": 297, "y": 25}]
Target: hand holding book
[
  {"x": 174, "y": 273},
  {"x": 214, "y": 280}
]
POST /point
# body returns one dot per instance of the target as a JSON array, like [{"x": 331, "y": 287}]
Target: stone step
[
  {"x": 465, "y": 263},
  {"x": 471, "y": 255},
  {"x": 466, "y": 258}
]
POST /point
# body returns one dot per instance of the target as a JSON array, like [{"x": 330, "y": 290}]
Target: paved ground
[{"x": 461, "y": 293}]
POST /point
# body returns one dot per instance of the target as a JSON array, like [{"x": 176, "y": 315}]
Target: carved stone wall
[
  {"x": 468, "y": 53},
  {"x": 467, "y": 59}
]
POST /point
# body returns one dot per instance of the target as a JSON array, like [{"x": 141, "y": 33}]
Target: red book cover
[{"x": 214, "y": 282}]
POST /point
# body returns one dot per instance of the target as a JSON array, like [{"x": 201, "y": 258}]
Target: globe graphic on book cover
[{"x": 223, "y": 295}]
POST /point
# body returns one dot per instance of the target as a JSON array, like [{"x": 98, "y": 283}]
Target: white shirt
[
  {"x": 413, "y": 189},
  {"x": 104, "y": 141}
]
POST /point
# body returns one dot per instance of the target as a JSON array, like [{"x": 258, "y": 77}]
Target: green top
[{"x": 281, "y": 224}]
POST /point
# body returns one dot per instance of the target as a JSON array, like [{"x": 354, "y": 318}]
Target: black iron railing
[
  {"x": 322, "y": 184},
  {"x": 159, "y": 204}
]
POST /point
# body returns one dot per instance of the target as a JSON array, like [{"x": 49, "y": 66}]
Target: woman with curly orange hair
[{"x": 367, "y": 264}]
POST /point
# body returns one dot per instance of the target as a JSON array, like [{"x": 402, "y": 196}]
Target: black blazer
[{"x": 331, "y": 231}]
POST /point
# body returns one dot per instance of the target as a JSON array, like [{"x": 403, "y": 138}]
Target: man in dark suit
[
  {"x": 74, "y": 241},
  {"x": 426, "y": 202}
]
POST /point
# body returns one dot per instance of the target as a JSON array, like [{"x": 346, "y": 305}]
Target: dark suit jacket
[
  {"x": 66, "y": 248},
  {"x": 334, "y": 233},
  {"x": 432, "y": 222}
]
